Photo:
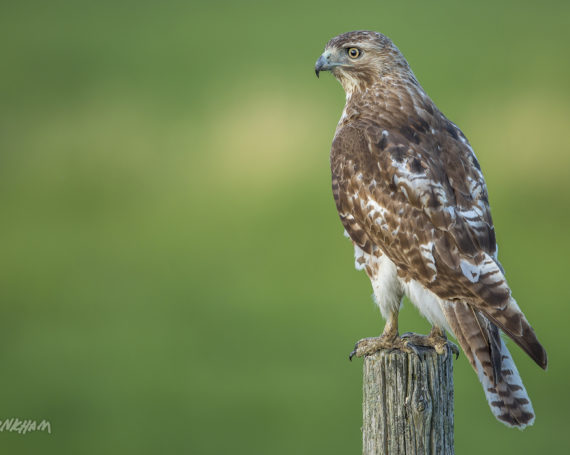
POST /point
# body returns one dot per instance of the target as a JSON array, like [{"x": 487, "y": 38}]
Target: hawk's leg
[
  {"x": 388, "y": 340},
  {"x": 436, "y": 339}
]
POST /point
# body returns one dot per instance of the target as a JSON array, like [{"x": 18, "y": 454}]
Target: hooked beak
[
  {"x": 321, "y": 62},
  {"x": 324, "y": 63}
]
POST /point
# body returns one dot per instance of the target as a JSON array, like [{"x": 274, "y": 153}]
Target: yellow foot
[
  {"x": 440, "y": 343},
  {"x": 369, "y": 346}
]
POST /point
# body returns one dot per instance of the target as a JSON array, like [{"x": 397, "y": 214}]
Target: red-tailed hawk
[{"x": 412, "y": 198}]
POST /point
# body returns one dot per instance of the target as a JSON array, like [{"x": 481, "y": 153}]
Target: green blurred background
[{"x": 173, "y": 274}]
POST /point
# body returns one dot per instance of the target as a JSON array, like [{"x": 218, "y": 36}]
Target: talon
[
  {"x": 368, "y": 346},
  {"x": 412, "y": 347},
  {"x": 409, "y": 342},
  {"x": 453, "y": 348}
]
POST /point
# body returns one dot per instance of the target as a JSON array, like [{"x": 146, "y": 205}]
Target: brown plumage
[{"x": 412, "y": 198}]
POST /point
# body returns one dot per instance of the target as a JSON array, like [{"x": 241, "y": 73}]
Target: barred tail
[
  {"x": 513, "y": 322},
  {"x": 508, "y": 399},
  {"x": 480, "y": 340}
]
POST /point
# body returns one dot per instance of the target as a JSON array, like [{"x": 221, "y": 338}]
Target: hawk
[{"x": 412, "y": 199}]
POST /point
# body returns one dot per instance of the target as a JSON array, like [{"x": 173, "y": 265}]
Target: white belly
[
  {"x": 429, "y": 304},
  {"x": 389, "y": 289}
]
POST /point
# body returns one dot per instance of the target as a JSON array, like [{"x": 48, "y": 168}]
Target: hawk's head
[{"x": 359, "y": 58}]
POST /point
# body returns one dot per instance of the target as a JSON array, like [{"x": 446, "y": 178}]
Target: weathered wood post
[{"x": 408, "y": 403}]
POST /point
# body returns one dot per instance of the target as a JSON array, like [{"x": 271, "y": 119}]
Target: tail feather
[
  {"x": 493, "y": 298},
  {"x": 524, "y": 336},
  {"x": 508, "y": 399},
  {"x": 471, "y": 335},
  {"x": 480, "y": 340}
]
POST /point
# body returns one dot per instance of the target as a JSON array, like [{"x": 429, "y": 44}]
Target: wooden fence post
[{"x": 408, "y": 403}]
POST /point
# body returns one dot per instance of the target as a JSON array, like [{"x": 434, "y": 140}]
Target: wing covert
[{"x": 421, "y": 199}]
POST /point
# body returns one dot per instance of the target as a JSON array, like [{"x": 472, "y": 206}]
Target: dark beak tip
[{"x": 321, "y": 65}]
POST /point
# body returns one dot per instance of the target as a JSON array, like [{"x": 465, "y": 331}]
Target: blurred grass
[{"x": 173, "y": 272}]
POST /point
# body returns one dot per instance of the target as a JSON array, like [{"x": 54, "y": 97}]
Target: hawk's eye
[{"x": 353, "y": 52}]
